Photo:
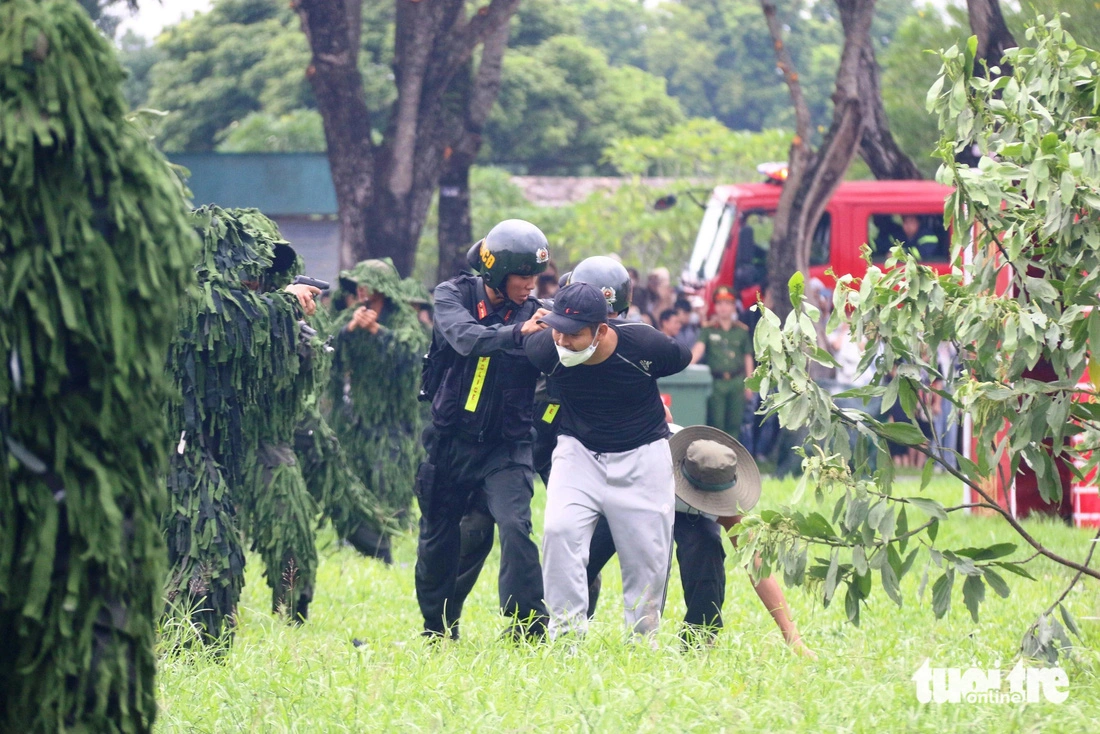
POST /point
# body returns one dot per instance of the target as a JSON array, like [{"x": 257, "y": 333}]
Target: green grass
[{"x": 312, "y": 679}]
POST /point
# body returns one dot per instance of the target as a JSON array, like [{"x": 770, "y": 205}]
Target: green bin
[{"x": 686, "y": 394}]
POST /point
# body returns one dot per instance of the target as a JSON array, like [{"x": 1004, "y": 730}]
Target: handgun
[{"x": 306, "y": 280}]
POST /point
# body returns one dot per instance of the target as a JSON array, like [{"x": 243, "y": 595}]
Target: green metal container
[{"x": 686, "y": 395}]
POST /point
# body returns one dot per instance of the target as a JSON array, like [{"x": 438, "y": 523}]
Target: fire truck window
[
  {"x": 753, "y": 238},
  {"x": 923, "y": 232},
  {"x": 819, "y": 247}
]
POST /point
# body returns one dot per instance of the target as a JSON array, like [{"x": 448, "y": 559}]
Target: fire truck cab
[{"x": 732, "y": 244}]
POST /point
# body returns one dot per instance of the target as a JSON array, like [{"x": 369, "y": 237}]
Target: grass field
[{"x": 312, "y": 679}]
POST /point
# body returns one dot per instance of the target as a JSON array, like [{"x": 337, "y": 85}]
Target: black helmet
[
  {"x": 513, "y": 247},
  {"x": 609, "y": 276}
]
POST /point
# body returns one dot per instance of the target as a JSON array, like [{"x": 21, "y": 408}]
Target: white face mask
[{"x": 569, "y": 358}]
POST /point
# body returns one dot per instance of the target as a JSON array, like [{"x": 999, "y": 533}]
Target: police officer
[
  {"x": 614, "y": 282},
  {"x": 725, "y": 346},
  {"x": 479, "y": 443}
]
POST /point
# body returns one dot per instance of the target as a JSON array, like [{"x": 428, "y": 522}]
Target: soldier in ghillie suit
[
  {"x": 373, "y": 387},
  {"x": 95, "y": 250},
  {"x": 356, "y": 514},
  {"x": 243, "y": 364}
]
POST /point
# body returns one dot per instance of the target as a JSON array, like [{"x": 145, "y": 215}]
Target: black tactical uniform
[{"x": 480, "y": 440}]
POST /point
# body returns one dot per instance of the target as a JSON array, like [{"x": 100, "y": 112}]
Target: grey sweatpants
[{"x": 634, "y": 491}]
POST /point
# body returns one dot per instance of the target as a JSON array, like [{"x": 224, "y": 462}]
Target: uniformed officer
[
  {"x": 726, "y": 348},
  {"x": 920, "y": 237},
  {"x": 479, "y": 442}
]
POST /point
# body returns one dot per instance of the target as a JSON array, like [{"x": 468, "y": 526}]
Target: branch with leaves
[{"x": 1034, "y": 191}]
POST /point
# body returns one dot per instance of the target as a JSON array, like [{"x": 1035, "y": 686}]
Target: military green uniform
[
  {"x": 725, "y": 356},
  {"x": 372, "y": 390}
]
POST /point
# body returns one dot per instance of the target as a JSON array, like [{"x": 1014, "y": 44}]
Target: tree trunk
[
  {"x": 475, "y": 96},
  {"x": 455, "y": 230},
  {"x": 988, "y": 24},
  {"x": 814, "y": 175},
  {"x": 877, "y": 146},
  {"x": 383, "y": 192},
  {"x": 333, "y": 74}
]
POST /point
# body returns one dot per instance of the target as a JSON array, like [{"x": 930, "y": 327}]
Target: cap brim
[
  {"x": 736, "y": 500},
  {"x": 564, "y": 324}
]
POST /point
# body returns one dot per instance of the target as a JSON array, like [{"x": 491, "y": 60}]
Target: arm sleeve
[
  {"x": 541, "y": 352},
  {"x": 669, "y": 355},
  {"x": 462, "y": 331}
]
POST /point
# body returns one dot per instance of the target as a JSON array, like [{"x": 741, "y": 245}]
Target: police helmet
[
  {"x": 610, "y": 277},
  {"x": 513, "y": 247}
]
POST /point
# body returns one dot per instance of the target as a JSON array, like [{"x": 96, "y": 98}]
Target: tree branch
[
  {"x": 803, "y": 124},
  {"x": 487, "y": 19},
  {"x": 1012, "y": 521}
]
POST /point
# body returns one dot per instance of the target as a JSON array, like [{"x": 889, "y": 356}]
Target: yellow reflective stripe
[
  {"x": 551, "y": 411},
  {"x": 478, "y": 383}
]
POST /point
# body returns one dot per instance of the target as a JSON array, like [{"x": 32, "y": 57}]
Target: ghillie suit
[
  {"x": 373, "y": 387},
  {"x": 243, "y": 369},
  {"x": 355, "y": 514},
  {"x": 95, "y": 250}
]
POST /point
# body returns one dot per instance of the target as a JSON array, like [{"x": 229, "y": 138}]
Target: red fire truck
[
  {"x": 731, "y": 246},
  {"x": 731, "y": 249}
]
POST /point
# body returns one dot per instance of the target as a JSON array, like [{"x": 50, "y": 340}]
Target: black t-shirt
[{"x": 614, "y": 405}]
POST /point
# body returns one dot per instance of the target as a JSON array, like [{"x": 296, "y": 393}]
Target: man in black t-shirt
[{"x": 612, "y": 457}]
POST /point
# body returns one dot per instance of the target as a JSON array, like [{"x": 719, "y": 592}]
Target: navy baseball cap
[{"x": 576, "y": 306}]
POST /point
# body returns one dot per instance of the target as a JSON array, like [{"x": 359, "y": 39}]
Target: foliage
[
  {"x": 246, "y": 56},
  {"x": 300, "y": 130},
  {"x": 908, "y": 68},
  {"x": 560, "y": 103},
  {"x": 1036, "y": 130},
  {"x": 94, "y": 252},
  {"x": 698, "y": 149}
]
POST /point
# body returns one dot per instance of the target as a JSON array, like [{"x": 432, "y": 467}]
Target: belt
[{"x": 724, "y": 375}]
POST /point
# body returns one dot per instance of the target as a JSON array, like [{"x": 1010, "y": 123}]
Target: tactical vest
[{"x": 488, "y": 397}]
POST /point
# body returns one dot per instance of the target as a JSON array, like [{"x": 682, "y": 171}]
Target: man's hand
[
  {"x": 304, "y": 294},
  {"x": 532, "y": 325},
  {"x": 364, "y": 318}
]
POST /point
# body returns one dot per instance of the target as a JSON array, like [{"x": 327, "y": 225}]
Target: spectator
[
  {"x": 658, "y": 294},
  {"x": 689, "y": 322},
  {"x": 669, "y": 322}
]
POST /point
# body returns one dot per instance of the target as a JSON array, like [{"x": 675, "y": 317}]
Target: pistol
[{"x": 306, "y": 280}]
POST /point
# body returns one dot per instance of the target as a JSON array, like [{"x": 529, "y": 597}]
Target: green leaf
[
  {"x": 1015, "y": 568},
  {"x": 796, "y": 286},
  {"x": 934, "y": 529},
  {"x": 903, "y": 433},
  {"x": 851, "y": 604},
  {"x": 830, "y": 577},
  {"x": 1071, "y": 623},
  {"x": 928, "y": 507},
  {"x": 941, "y": 593},
  {"x": 859, "y": 560},
  {"x": 890, "y": 583},
  {"x": 926, "y": 473},
  {"x": 997, "y": 550},
  {"x": 973, "y": 595},
  {"x": 996, "y": 582}
]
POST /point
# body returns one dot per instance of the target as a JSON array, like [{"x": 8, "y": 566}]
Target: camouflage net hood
[
  {"x": 241, "y": 246},
  {"x": 380, "y": 276}
]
